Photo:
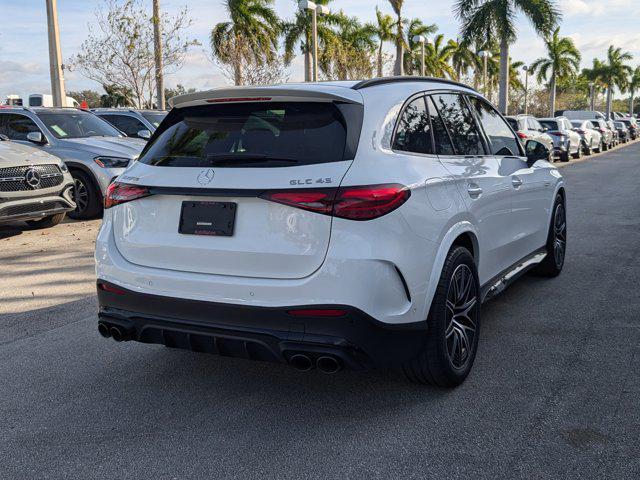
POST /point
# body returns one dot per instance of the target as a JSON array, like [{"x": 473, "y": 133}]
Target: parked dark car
[
  {"x": 623, "y": 131},
  {"x": 632, "y": 125}
]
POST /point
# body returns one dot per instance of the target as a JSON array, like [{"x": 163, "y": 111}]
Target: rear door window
[
  {"x": 414, "y": 129},
  {"x": 502, "y": 141},
  {"x": 460, "y": 124},
  {"x": 16, "y": 126},
  {"x": 125, "y": 123},
  {"x": 264, "y": 134},
  {"x": 441, "y": 138}
]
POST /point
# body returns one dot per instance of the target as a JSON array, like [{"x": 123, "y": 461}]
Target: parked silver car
[
  {"x": 566, "y": 142},
  {"x": 134, "y": 123},
  {"x": 35, "y": 187},
  {"x": 527, "y": 127},
  {"x": 607, "y": 135},
  {"x": 93, "y": 150},
  {"x": 591, "y": 138}
]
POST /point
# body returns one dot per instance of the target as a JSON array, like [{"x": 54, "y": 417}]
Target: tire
[
  {"x": 556, "y": 246},
  {"x": 566, "y": 156},
  {"x": 605, "y": 147},
  {"x": 599, "y": 149},
  {"x": 578, "y": 153},
  {"x": 46, "y": 222},
  {"x": 89, "y": 204},
  {"x": 588, "y": 150},
  {"x": 443, "y": 360}
]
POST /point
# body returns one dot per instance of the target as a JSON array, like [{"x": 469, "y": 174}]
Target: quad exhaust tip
[
  {"x": 103, "y": 330},
  {"x": 116, "y": 334},
  {"x": 301, "y": 362},
  {"x": 328, "y": 364}
]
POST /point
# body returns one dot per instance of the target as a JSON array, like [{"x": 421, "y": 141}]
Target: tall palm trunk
[
  {"x": 398, "y": 68},
  {"x": 503, "y": 99},
  {"x": 237, "y": 72},
  {"x": 609, "y": 100},
  {"x": 380, "y": 60},
  {"x": 308, "y": 65},
  {"x": 552, "y": 95},
  {"x": 631, "y": 103}
]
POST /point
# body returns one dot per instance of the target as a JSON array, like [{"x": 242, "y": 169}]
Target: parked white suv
[{"x": 345, "y": 224}]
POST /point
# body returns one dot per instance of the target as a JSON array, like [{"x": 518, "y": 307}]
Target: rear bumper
[{"x": 258, "y": 333}]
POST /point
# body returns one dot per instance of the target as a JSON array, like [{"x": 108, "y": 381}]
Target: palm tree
[
  {"x": 251, "y": 37},
  {"x": 634, "y": 85},
  {"x": 462, "y": 57},
  {"x": 593, "y": 75},
  {"x": 615, "y": 73},
  {"x": 299, "y": 31},
  {"x": 483, "y": 19},
  {"x": 562, "y": 62},
  {"x": 384, "y": 31},
  {"x": 412, "y": 57},
  {"x": 437, "y": 55},
  {"x": 399, "y": 36}
]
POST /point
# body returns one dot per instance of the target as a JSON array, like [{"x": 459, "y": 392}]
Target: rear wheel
[
  {"x": 46, "y": 222},
  {"x": 556, "y": 246},
  {"x": 588, "y": 149},
  {"x": 454, "y": 325},
  {"x": 578, "y": 152},
  {"x": 566, "y": 155},
  {"x": 85, "y": 194}
]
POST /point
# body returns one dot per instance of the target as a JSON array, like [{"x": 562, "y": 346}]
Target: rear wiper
[{"x": 222, "y": 159}]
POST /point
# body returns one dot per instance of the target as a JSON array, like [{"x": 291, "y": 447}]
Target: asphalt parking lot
[{"x": 555, "y": 391}]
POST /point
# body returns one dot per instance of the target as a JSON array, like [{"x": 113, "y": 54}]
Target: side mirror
[
  {"x": 146, "y": 134},
  {"x": 536, "y": 151},
  {"x": 36, "y": 137}
]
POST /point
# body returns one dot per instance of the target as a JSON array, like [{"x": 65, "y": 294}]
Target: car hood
[
  {"x": 14, "y": 154},
  {"x": 124, "y": 147}
]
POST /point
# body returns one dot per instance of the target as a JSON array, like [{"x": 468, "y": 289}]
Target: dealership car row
[{"x": 96, "y": 146}]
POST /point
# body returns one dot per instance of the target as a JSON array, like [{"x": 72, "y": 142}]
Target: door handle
[
  {"x": 474, "y": 190},
  {"x": 516, "y": 182}
]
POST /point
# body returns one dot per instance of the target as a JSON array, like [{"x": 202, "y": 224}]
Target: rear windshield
[
  {"x": 514, "y": 123},
  {"x": 550, "y": 124},
  {"x": 265, "y": 134},
  {"x": 576, "y": 123}
]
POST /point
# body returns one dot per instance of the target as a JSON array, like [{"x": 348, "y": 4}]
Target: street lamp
[
  {"x": 315, "y": 11},
  {"x": 526, "y": 88},
  {"x": 422, "y": 40},
  {"x": 486, "y": 56}
]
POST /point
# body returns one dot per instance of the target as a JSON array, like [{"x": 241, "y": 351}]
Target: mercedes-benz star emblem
[
  {"x": 32, "y": 177},
  {"x": 205, "y": 177}
]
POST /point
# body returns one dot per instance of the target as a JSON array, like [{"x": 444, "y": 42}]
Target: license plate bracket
[{"x": 207, "y": 218}]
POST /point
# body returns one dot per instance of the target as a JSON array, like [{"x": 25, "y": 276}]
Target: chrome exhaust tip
[{"x": 301, "y": 362}]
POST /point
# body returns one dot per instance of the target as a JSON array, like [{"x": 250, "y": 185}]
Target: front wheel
[
  {"x": 556, "y": 246},
  {"x": 578, "y": 153},
  {"x": 46, "y": 222},
  {"x": 86, "y": 196},
  {"x": 588, "y": 149},
  {"x": 454, "y": 325}
]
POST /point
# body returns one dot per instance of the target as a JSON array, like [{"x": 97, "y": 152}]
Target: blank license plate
[{"x": 208, "y": 218}]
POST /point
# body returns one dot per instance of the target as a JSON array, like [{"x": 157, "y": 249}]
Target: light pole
[
  {"x": 422, "y": 40},
  {"x": 55, "y": 55},
  {"x": 485, "y": 56},
  {"x": 157, "y": 51},
  {"x": 315, "y": 10},
  {"x": 592, "y": 101},
  {"x": 526, "y": 88}
]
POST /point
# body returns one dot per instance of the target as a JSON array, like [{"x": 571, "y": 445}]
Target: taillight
[
  {"x": 353, "y": 203},
  {"x": 523, "y": 136},
  {"x": 118, "y": 193}
]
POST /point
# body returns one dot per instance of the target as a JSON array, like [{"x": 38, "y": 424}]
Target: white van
[
  {"x": 580, "y": 114},
  {"x": 44, "y": 100}
]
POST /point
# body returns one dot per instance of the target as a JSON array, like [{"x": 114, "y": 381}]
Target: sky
[{"x": 24, "y": 63}]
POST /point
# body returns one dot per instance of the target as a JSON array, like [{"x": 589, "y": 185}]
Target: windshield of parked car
[
  {"x": 76, "y": 124},
  {"x": 550, "y": 124},
  {"x": 154, "y": 118},
  {"x": 265, "y": 134}
]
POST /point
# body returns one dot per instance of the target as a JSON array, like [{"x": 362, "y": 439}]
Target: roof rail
[{"x": 372, "y": 82}]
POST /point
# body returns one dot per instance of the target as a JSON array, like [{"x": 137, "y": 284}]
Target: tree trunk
[
  {"x": 503, "y": 98},
  {"x": 380, "y": 60},
  {"x": 631, "y": 104},
  {"x": 237, "y": 72},
  {"x": 308, "y": 65},
  {"x": 609, "y": 101},
  {"x": 398, "y": 68},
  {"x": 552, "y": 95}
]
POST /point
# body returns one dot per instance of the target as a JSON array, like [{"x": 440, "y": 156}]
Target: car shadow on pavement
[{"x": 8, "y": 231}]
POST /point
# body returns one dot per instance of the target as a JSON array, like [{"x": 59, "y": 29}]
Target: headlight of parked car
[{"x": 111, "y": 162}]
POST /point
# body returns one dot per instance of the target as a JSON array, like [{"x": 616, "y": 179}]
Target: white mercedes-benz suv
[{"x": 328, "y": 225}]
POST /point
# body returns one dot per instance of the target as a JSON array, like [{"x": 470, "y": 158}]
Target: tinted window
[
  {"x": 16, "y": 127},
  {"x": 460, "y": 124},
  {"x": 550, "y": 124},
  {"x": 514, "y": 123},
  {"x": 413, "y": 133},
  {"x": 440, "y": 135},
  {"x": 125, "y": 123},
  {"x": 501, "y": 138},
  {"x": 77, "y": 124},
  {"x": 577, "y": 123},
  {"x": 154, "y": 118},
  {"x": 250, "y": 135}
]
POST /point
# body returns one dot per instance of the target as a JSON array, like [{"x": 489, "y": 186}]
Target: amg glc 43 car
[
  {"x": 35, "y": 187},
  {"x": 329, "y": 225}
]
